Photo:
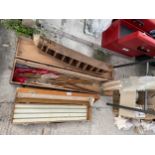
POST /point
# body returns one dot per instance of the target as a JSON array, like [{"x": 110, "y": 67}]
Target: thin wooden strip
[
  {"x": 71, "y": 60},
  {"x": 51, "y": 115},
  {"x": 97, "y": 71},
  {"x": 49, "y": 101},
  {"x": 42, "y": 43},
  {"x": 47, "y": 49},
  {"x": 49, "y": 106},
  {"x": 91, "y": 69},
  {"x": 54, "y": 54},
  {"x": 116, "y": 87},
  {"x": 23, "y": 110},
  {"x": 85, "y": 66},
  {"x": 55, "y": 92},
  {"x": 52, "y": 97},
  {"x": 78, "y": 64},
  {"x": 111, "y": 83},
  {"x": 63, "y": 58},
  {"x": 61, "y": 119}
]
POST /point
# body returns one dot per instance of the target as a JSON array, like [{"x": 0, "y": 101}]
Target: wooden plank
[
  {"x": 111, "y": 83},
  {"x": 41, "y": 120},
  {"x": 56, "y": 92},
  {"x": 49, "y": 101},
  {"x": 115, "y": 87},
  {"x": 37, "y": 106},
  {"x": 52, "y": 97},
  {"x": 108, "y": 93},
  {"x": 29, "y": 111},
  {"x": 49, "y": 115},
  {"x": 128, "y": 98}
]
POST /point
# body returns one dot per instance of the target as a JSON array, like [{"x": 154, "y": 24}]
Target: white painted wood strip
[
  {"x": 49, "y": 106},
  {"x": 116, "y": 87},
  {"x": 47, "y": 115},
  {"x": 49, "y": 110},
  {"x": 52, "y": 97},
  {"x": 107, "y": 84},
  {"x": 61, "y": 119}
]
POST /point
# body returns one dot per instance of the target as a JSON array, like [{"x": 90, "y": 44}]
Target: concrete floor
[{"x": 102, "y": 121}]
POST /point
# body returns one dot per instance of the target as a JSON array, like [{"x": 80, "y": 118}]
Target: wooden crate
[
  {"x": 65, "y": 80},
  {"x": 43, "y": 106},
  {"x": 74, "y": 79}
]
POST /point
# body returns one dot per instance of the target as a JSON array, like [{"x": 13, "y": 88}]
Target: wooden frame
[
  {"x": 55, "y": 111},
  {"x": 93, "y": 84},
  {"x": 73, "y": 58},
  {"x": 28, "y": 54},
  {"x": 26, "y": 46}
]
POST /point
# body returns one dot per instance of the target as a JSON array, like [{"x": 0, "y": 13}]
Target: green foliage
[{"x": 16, "y": 25}]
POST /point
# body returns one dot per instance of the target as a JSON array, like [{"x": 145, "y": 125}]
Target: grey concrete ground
[{"x": 102, "y": 121}]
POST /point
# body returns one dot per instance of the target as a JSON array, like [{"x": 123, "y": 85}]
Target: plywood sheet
[{"x": 127, "y": 98}]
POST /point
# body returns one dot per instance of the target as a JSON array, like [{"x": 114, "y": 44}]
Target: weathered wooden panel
[{"x": 72, "y": 57}]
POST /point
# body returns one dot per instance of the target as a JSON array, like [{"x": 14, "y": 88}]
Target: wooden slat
[
  {"x": 23, "y": 110},
  {"x": 49, "y": 101},
  {"x": 111, "y": 83},
  {"x": 49, "y": 115},
  {"x": 52, "y": 97},
  {"x": 37, "y": 106},
  {"x": 41, "y": 120},
  {"x": 56, "y": 92}
]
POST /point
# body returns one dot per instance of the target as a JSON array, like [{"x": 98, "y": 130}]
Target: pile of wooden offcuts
[{"x": 68, "y": 82}]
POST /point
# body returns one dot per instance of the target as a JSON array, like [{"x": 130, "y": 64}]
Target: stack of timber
[
  {"x": 34, "y": 105},
  {"x": 50, "y": 65}
]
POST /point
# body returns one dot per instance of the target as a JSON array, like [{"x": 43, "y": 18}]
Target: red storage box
[
  {"x": 125, "y": 38},
  {"x": 145, "y": 25}
]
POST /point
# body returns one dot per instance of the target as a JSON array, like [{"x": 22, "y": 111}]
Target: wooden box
[
  {"x": 34, "y": 105},
  {"x": 35, "y": 68}
]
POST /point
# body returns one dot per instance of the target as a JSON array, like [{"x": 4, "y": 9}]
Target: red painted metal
[
  {"x": 125, "y": 37},
  {"x": 145, "y": 25}
]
